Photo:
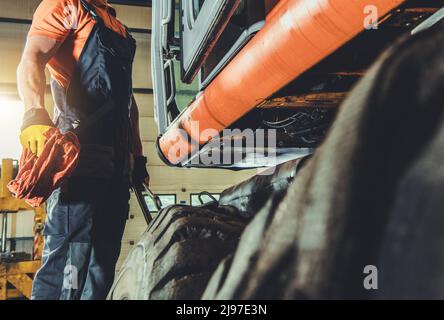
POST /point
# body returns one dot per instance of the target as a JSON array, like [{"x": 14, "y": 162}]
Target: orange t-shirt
[{"x": 68, "y": 22}]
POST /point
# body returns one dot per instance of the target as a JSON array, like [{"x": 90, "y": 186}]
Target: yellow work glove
[
  {"x": 32, "y": 137},
  {"x": 36, "y": 122}
]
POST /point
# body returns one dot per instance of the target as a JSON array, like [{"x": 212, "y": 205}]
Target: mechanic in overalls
[{"x": 89, "y": 54}]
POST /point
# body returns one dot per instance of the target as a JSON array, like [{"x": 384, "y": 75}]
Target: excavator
[{"x": 301, "y": 89}]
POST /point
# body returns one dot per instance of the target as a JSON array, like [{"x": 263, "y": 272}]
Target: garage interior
[
  {"x": 350, "y": 93},
  {"x": 174, "y": 186}
]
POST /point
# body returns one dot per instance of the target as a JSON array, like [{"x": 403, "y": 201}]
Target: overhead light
[
  {"x": 8, "y": 91},
  {"x": 11, "y": 115}
]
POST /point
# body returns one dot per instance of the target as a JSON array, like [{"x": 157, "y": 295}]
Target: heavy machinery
[
  {"x": 281, "y": 69},
  {"x": 17, "y": 268}
]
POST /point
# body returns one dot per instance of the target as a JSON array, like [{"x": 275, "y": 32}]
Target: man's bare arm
[
  {"x": 31, "y": 80},
  {"x": 31, "y": 84}
]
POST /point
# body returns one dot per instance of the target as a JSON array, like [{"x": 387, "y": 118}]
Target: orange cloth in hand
[{"x": 38, "y": 177}]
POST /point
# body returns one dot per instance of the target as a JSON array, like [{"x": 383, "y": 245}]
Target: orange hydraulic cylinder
[{"x": 297, "y": 35}]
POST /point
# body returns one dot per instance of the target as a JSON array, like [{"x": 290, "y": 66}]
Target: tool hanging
[{"x": 142, "y": 203}]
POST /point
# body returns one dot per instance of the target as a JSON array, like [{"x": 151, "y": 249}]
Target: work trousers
[{"x": 83, "y": 232}]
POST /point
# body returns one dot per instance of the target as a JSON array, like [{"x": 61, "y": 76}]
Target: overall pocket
[
  {"x": 96, "y": 161},
  {"x": 56, "y": 222},
  {"x": 116, "y": 56}
]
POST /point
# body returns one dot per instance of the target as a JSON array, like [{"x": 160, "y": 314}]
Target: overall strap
[
  {"x": 95, "y": 117},
  {"x": 88, "y": 7}
]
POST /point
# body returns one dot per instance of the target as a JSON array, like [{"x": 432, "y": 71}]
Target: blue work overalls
[{"x": 86, "y": 217}]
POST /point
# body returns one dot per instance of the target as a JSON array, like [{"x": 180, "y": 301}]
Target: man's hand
[
  {"x": 140, "y": 173},
  {"x": 33, "y": 138},
  {"x": 146, "y": 181},
  {"x": 35, "y": 123}
]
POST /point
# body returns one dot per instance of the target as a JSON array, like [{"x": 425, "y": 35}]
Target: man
[{"x": 89, "y": 54}]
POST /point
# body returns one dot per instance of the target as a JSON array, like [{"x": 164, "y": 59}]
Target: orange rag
[{"x": 38, "y": 177}]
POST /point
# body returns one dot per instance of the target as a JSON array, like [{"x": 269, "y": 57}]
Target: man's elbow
[{"x": 38, "y": 51}]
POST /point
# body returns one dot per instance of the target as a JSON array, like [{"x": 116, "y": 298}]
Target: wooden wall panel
[
  {"x": 190, "y": 178},
  {"x": 134, "y": 16},
  {"x": 142, "y": 65},
  {"x": 145, "y": 103},
  {"x": 148, "y": 129},
  {"x": 151, "y": 150},
  {"x": 12, "y": 39},
  {"x": 18, "y": 9}
]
